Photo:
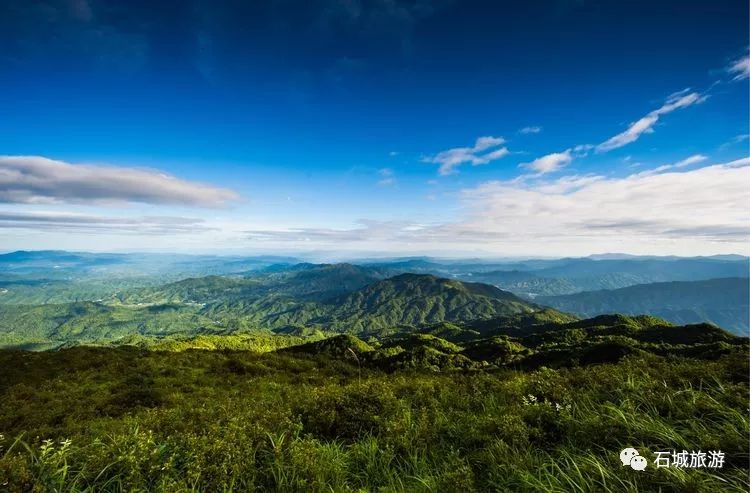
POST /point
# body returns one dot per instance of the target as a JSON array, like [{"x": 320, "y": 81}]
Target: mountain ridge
[{"x": 722, "y": 301}]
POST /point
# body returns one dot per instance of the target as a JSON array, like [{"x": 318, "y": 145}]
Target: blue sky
[{"x": 448, "y": 128}]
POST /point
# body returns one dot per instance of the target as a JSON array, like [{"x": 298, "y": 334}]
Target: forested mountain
[
  {"x": 302, "y": 282},
  {"x": 86, "y": 300},
  {"x": 67, "y": 276},
  {"x": 566, "y": 276},
  {"x": 68, "y": 265},
  {"x": 228, "y": 305},
  {"x": 417, "y": 299},
  {"x": 724, "y": 302},
  {"x": 337, "y": 297},
  {"x": 329, "y": 368}
]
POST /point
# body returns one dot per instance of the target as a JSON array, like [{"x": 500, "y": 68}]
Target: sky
[{"x": 375, "y": 127}]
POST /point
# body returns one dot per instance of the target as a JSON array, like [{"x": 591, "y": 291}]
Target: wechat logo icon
[{"x": 631, "y": 457}]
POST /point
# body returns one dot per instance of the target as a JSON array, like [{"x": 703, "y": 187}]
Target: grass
[{"x": 125, "y": 419}]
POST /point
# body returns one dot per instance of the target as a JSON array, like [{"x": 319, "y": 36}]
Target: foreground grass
[{"x": 95, "y": 419}]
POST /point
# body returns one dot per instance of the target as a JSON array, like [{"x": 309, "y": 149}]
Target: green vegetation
[
  {"x": 287, "y": 303},
  {"x": 299, "y": 377},
  {"x": 724, "y": 302},
  {"x": 546, "y": 411}
]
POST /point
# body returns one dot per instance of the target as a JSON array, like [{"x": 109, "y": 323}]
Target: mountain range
[
  {"x": 49, "y": 299},
  {"x": 724, "y": 302}
]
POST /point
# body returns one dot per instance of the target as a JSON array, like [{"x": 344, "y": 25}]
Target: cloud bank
[
  {"x": 637, "y": 209},
  {"x": 677, "y": 211},
  {"x": 88, "y": 223},
  {"x": 38, "y": 180}
]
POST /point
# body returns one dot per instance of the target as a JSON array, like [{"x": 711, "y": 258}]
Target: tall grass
[{"x": 284, "y": 424}]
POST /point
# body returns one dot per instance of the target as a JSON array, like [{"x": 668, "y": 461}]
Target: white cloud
[
  {"x": 681, "y": 99},
  {"x": 530, "y": 130},
  {"x": 694, "y": 159},
  {"x": 56, "y": 221},
  {"x": 697, "y": 158},
  {"x": 38, "y": 180},
  {"x": 582, "y": 150},
  {"x": 366, "y": 231},
  {"x": 676, "y": 212},
  {"x": 549, "y": 163},
  {"x": 740, "y": 68},
  {"x": 452, "y": 158},
  {"x": 484, "y": 143},
  {"x": 675, "y": 207}
]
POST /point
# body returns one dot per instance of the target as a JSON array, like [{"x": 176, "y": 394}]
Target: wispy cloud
[
  {"x": 38, "y": 180},
  {"x": 87, "y": 223},
  {"x": 386, "y": 177},
  {"x": 549, "y": 163},
  {"x": 735, "y": 140},
  {"x": 530, "y": 130},
  {"x": 740, "y": 68},
  {"x": 694, "y": 159},
  {"x": 681, "y": 99},
  {"x": 485, "y": 150},
  {"x": 689, "y": 161},
  {"x": 365, "y": 231}
]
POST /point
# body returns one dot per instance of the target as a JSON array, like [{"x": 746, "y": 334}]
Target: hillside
[
  {"x": 301, "y": 281},
  {"x": 418, "y": 299},
  {"x": 314, "y": 298},
  {"x": 342, "y": 298},
  {"x": 409, "y": 412},
  {"x": 542, "y": 277},
  {"x": 518, "y": 344},
  {"x": 723, "y": 302}
]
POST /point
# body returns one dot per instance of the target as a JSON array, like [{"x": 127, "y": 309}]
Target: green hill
[
  {"x": 724, "y": 302},
  {"x": 303, "y": 282},
  {"x": 415, "y": 300},
  {"x": 289, "y": 304},
  {"x": 299, "y": 298},
  {"x": 265, "y": 412},
  {"x": 603, "y": 339}
]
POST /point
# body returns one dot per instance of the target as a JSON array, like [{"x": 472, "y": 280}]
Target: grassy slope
[{"x": 240, "y": 420}]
